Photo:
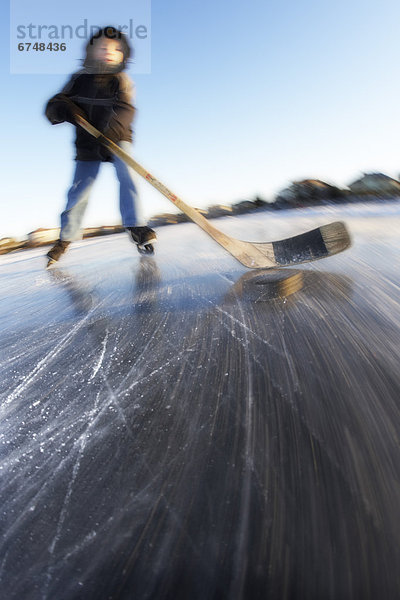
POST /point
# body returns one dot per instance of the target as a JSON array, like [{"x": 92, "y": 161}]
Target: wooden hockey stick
[{"x": 315, "y": 244}]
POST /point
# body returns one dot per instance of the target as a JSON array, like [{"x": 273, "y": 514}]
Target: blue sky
[{"x": 240, "y": 99}]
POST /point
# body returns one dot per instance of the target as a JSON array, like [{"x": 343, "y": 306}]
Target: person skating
[{"x": 102, "y": 93}]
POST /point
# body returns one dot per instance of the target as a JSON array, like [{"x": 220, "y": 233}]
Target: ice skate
[
  {"x": 56, "y": 252},
  {"x": 144, "y": 238}
]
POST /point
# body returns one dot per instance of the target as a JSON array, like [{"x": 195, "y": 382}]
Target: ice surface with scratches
[{"x": 179, "y": 426}]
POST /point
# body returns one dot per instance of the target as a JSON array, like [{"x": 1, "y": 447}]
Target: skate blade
[
  {"x": 50, "y": 263},
  {"x": 145, "y": 249}
]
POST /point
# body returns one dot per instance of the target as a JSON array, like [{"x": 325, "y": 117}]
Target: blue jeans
[{"x": 78, "y": 195}]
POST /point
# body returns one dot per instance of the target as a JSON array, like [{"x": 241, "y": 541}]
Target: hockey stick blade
[{"x": 313, "y": 245}]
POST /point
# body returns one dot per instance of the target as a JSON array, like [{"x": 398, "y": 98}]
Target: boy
[{"x": 103, "y": 94}]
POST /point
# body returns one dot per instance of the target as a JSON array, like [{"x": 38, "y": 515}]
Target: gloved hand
[
  {"x": 71, "y": 110},
  {"x": 60, "y": 108}
]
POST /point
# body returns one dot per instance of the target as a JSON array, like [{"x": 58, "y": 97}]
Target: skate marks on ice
[{"x": 203, "y": 435}]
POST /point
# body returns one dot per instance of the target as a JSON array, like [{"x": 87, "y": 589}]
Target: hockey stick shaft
[
  {"x": 191, "y": 212},
  {"x": 319, "y": 243}
]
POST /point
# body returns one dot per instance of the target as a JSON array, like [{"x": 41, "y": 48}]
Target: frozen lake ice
[{"x": 181, "y": 427}]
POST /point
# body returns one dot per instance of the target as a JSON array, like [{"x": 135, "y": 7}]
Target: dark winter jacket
[{"x": 106, "y": 100}]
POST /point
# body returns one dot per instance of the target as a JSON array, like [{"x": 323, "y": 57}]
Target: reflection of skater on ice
[
  {"x": 82, "y": 298},
  {"x": 146, "y": 288},
  {"x": 103, "y": 93}
]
